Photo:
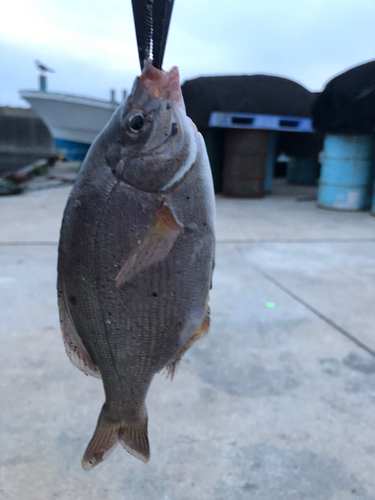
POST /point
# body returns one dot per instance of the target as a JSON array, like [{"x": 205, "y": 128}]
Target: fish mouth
[{"x": 162, "y": 84}]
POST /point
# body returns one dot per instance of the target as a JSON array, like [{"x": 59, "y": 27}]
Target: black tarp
[
  {"x": 347, "y": 104},
  {"x": 260, "y": 94}
]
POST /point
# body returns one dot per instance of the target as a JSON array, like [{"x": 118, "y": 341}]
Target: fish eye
[{"x": 136, "y": 123}]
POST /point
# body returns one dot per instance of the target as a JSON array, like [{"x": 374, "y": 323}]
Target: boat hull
[
  {"x": 72, "y": 150},
  {"x": 74, "y": 121}
]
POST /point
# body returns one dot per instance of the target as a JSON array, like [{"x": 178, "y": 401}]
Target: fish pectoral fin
[
  {"x": 153, "y": 246},
  {"x": 202, "y": 331},
  {"x": 74, "y": 347},
  {"x": 108, "y": 434}
]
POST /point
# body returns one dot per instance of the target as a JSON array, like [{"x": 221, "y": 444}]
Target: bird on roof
[{"x": 42, "y": 67}]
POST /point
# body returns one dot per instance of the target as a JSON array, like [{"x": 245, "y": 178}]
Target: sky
[{"x": 91, "y": 43}]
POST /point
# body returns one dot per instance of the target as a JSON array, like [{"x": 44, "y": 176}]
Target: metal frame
[{"x": 152, "y": 19}]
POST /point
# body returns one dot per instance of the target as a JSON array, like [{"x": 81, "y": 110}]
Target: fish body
[{"x": 136, "y": 256}]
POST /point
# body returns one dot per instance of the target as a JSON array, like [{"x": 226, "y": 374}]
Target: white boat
[{"x": 74, "y": 121}]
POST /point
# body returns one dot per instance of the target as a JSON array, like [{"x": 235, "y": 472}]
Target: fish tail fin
[
  {"x": 134, "y": 438},
  {"x": 103, "y": 442},
  {"x": 108, "y": 434}
]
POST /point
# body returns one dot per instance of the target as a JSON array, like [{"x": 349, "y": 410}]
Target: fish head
[{"x": 156, "y": 144}]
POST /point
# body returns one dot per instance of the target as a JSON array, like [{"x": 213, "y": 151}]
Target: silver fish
[{"x": 136, "y": 256}]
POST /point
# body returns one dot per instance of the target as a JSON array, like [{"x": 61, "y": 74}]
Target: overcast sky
[{"x": 91, "y": 43}]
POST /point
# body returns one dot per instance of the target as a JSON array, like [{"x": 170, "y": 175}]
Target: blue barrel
[
  {"x": 346, "y": 177},
  {"x": 302, "y": 171}
]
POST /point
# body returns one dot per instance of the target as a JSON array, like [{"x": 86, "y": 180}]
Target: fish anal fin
[
  {"x": 154, "y": 245},
  {"x": 201, "y": 332},
  {"x": 74, "y": 347}
]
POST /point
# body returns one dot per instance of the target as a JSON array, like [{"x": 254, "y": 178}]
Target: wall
[{"x": 23, "y": 138}]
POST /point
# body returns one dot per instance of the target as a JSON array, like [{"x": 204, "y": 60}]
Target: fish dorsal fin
[{"x": 154, "y": 245}]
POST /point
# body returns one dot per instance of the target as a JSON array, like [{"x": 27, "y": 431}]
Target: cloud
[{"x": 91, "y": 43}]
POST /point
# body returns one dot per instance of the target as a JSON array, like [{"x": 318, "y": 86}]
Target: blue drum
[{"x": 346, "y": 174}]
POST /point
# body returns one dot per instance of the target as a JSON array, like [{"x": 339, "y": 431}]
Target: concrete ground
[{"x": 277, "y": 403}]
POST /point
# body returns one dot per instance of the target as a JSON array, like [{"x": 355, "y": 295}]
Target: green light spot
[{"x": 271, "y": 305}]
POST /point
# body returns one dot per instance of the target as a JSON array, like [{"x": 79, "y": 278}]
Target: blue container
[
  {"x": 346, "y": 177},
  {"x": 302, "y": 171}
]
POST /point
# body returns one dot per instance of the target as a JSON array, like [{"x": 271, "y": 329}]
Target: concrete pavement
[{"x": 276, "y": 403}]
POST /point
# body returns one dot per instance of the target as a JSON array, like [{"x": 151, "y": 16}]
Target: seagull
[{"x": 42, "y": 67}]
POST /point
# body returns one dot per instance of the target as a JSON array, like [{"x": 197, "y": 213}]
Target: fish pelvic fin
[
  {"x": 154, "y": 245},
  {"x": 201, "y": 332},
  {"x": 131, "y": 435}
]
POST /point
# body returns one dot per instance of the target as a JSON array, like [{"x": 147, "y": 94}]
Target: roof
[
  {"x": 260, "y": 94},
  {"x": 347, "y": 104}
]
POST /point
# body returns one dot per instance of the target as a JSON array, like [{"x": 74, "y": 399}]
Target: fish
[{"x": 136, "y": 256}]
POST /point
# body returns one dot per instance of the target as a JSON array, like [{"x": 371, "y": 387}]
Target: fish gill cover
[
  {"x": 347, "y": 104},
  {"x": 263, "y": 94}
]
